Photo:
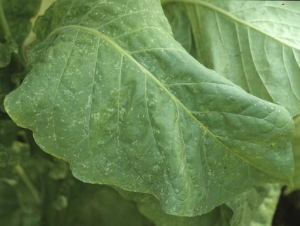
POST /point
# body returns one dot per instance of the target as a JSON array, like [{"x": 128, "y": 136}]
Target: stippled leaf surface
[
  {"x": 255, "y": 44},
  {"x": 112, "y": 93}
]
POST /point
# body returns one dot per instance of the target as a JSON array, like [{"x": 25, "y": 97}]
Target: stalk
[
  {"x": 28, "y": 183},
  {"x": 3, "y": 22}
]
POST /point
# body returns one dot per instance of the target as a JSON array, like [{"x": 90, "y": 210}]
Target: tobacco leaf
[{"x": 112, "y": 93}]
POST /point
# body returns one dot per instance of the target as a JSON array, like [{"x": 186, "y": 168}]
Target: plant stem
[
  {"x": 3, "y": 22},
  {"x": 28, "y": 183}
]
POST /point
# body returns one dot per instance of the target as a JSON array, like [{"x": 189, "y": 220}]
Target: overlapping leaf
[
  {"x": 255, "y": 207},
  {"x": 296, "y": 152},
  {"x": 150, "y": 207},
  {"x": 18, "y": 14},
  {"x": 117, "y": 97},
  {"x": 255, "y": 44}
]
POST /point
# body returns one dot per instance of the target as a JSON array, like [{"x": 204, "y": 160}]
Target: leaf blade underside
[{"x": 113, "y": 93}]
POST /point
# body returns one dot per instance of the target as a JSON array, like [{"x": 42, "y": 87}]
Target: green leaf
[
  {"x": 115, "y": 95},
  {"x": 255, "y": 44},
  {"x": 296, "y": 152},
  {"x": 181, "y": 26},
  {"x": 255, "y": 207}
]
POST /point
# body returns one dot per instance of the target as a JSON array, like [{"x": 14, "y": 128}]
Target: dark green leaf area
[
  {"x": 67, "y": 202},
  {"x": 150, "y": 207},
  {"x": 6, "y": 49},
  {"x": 11, "y": 156},
  {"x": 18, "y": 14},
  {"x": 113, "y": 94},
  {"x": 5, "y": 54},
  {"x": 16, "y": 207}
]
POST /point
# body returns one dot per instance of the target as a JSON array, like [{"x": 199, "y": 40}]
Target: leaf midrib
[
  {"x": 127, "y": 54},
  {"x": 227, "y": 14}
]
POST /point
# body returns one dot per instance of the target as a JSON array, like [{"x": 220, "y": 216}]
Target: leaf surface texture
[{"x": 112, "y": 93}]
